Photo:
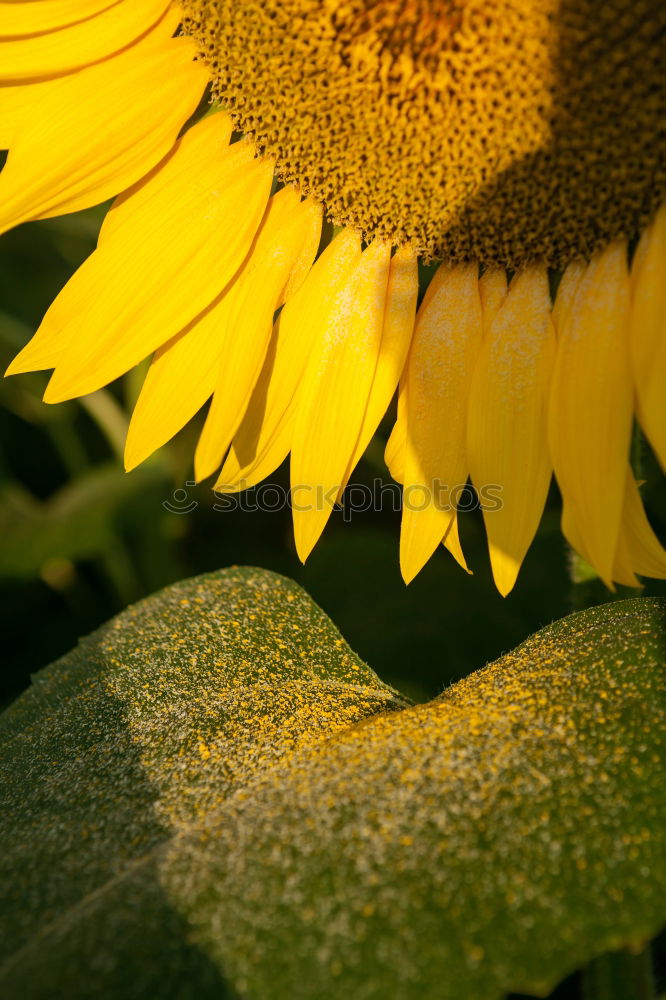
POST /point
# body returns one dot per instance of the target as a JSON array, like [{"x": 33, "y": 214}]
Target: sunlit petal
[
  {"x": 335, "y": 391},
  {"x": 199, "y": 231},
  {"x": 79, "y": 43},
  {"x": 398, "y": 327},
  {"x": 638, "y": 550},
  {"x": 32, "y": 17},
  {"x": 396, "y": 446},
  {"x": 290, "y": 230},
  {"x": 451, "y": 543},
  {"x": 648, "y": 332},
  {"x": 264, "y": 437},
  {"x": 493, "y": 288},
  {"x": 446, "y": 341},
  {"x": 590, "y": 409},
  {"x": 507, "y": 436},
  {"x": 86, "y": 136}
]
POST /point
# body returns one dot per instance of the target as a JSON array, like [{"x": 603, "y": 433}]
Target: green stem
[
  {"x": 119, "y": 570},
  {"x": 68, "y": 445},
  {"x": 109, "y": 417},
  {"x": 620, "y": 976}
]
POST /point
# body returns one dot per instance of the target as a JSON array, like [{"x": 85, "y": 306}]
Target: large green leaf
[{"x": 212, "y": 796}]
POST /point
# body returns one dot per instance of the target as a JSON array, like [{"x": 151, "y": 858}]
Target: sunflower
[{"x": 265, "y": 249}]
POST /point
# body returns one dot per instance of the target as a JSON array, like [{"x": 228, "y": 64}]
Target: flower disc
[{"x": 499, "y": 130}]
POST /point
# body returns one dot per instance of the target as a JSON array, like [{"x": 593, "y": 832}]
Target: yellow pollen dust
[{"x": 500, "y": 130}]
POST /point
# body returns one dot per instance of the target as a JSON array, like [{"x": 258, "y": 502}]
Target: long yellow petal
[
  {"x": 590, "y": 412},
  {"x": 493, "y": 290},
  {"x": 396, "y": 446},
  {"x": 145, "y": 284},
  {"x": 264, "y": 437},
  {"x": 54, "y": 335},
  {"x": 78, "y": 44},
  {"x": 32, "y": 17},
  {"x": 16, "y": 100},
  {"x": 149, "y": 193},
  {"x": 395, "y": 451},
  {"x": 648, "y": 332},
  {"x": 183, "y": 373},
  {"x": 399, "y": 314},
  {"x": 566, "y": 293},
  {"x": 130, "y": 213},
  {"x": 638, "y": 549},
  {"x": 506, "y": 430},
  {"x": 445, "y": 344},
  {"x": 91, "y": 134},
  {"x": 180, "y": 379},
  {"x": 451, "y": 543},
  {"x": 288, "y": 227},
  {"x": 620, "y": 574},
  {"x": 334, "y": 395}
]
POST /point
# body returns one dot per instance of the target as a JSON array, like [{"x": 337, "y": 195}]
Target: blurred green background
[{"x": 81, "y": 539}]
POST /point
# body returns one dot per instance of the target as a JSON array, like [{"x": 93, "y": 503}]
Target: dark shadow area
[
  {"x": 603, "y": 172},
  {"x": 81, "y": 843}
]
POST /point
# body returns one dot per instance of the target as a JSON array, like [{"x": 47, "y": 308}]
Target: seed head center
[{"x": 500, "y": 130}]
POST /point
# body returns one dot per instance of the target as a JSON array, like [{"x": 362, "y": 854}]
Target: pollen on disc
[{"x": 499, "y": 130}]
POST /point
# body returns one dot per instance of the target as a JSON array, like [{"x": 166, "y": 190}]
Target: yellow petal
[
  {"x": 648, "y": 332},
  {"x": 16, "y": 101},
  {"x": 396, "y": 446},
  {"x": 149, "y": 199},
  {"x": 288, "y": 226},
  {"x": 399, "y": 313},
  {"x": 394, "y": 453},
  {"x": 444, "y": 347},
  {"x": 149, "y": 193},
  {"x": 54, "y": 335},
  {"x": 180, "y": 379},
  {"x": 31, "y": 17},
  {"x": 566, "y": 292},
  {"x": 335, "y": 391},
  {"x": 146, "y": 283},
  {"x": 590, "y": 412},
  {"x": 451, "y": 542},
  {"x": 507, "y": 435},
  {"x": 620, "y": 574},
  {"x": 89, "y": 135},
  {"x": 183, "y": 373},
  {"x": 638, "y": 549},
  {"x": 63, "y": 49},
  {"x": 264, "y": 437},
  {"x": 492, "y": 290}
]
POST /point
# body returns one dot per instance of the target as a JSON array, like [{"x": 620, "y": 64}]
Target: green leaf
[
  {"x": 80, "y": 521},
  {"x": 213, "y": 796}
]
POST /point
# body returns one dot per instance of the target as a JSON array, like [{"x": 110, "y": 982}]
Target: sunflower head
[
  {"x": 503, "y": 131},
  {"x": 515, "y": 134}
]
